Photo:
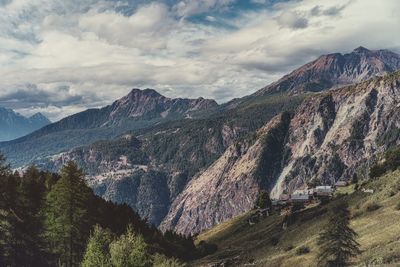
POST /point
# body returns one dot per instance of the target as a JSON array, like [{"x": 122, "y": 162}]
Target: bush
[
  {"x": 302, "y": 250},
  {"x": 398, "y": 206},
  {"x": 372, "y": 207}
]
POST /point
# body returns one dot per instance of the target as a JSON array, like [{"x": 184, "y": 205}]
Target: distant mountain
[
  {"x": 138, "y": 109},
  {"x": 14, "y": 125},
  {"x": 336, "y": 69}
]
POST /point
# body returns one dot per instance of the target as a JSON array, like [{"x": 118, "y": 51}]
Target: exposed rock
[
  {"x": 336, "y": 70},
  {"x": 228, "y": 187}
]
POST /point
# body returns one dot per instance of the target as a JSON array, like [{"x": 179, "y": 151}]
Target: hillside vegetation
[{"x": 375, "y": 217}]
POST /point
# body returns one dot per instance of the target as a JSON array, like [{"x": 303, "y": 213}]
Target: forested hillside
[{"x": 50, "y": 219}]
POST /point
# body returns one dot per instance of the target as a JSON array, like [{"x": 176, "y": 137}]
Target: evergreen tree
[
  {"x": 337, "y": 243},
  {"x": 160, "y": 260},
  {"x": 31, "y": 194},
  {"x": 129, "y": 250},
  {"x": 263, "y": 200},
  {"x": 67, "y": 217},
  {"x": 9, "y": 219},
  {"x": 97, "y": 251}
]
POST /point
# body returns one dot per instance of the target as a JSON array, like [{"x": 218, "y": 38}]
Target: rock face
[
  {"x": 330, "y": 136},
  {"x": 334, "y": 134},
  {"x": 336, "y": 70},
  {"x": 14, "y": 125},
  {"x": 230, "y": 185}
]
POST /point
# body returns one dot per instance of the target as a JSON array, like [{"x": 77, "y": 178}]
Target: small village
[{"x": 300, "y": 199}]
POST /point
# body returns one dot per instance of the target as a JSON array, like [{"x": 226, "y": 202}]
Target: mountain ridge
[
  {"x": 336, "y": 69},
  {"x": 14, "y": 125}
]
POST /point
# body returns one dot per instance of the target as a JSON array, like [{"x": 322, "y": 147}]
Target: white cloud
[{"x": 80, "y": 54}]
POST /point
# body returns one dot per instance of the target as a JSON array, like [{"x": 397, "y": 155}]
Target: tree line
[{"x": 54, "y": 219}]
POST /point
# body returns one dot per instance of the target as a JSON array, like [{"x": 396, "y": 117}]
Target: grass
[{"x": 268, "y": 244}]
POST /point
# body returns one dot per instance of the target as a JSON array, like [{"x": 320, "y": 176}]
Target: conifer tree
[
  {"x": 338, "y": 242},
  {"x": 31, "y": 195},
  {"x": 129, "y": 250},
  {"x": 9, "y": 236},
  {"x": 98, "y": 249},
  {"x": 67, "y": 220}
]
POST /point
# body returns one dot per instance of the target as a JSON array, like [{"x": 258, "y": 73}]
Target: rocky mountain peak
[
  {"x": 334, "y": 70},
  {"x": 361, "y": 50},
  {"x": 39, "y": 117}
]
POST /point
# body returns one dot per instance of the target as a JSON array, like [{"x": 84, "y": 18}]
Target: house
[
  {"x": 300, "y": 198},
  {"x": 323, "y": 190},
  {"x": 341, "y": 184}
]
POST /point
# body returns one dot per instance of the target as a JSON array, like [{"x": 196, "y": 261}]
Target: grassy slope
[{"x": 379, "y": 231}]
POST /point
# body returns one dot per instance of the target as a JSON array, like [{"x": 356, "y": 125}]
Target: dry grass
[{"x": 378, "y": 230}]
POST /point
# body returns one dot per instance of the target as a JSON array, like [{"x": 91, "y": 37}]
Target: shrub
[
  {"x": 302, "y": 250},
  {"x": 398, "y": 206},
  {"x": 372, "y": 207}
]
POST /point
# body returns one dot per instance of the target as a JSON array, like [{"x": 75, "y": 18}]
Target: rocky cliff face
[
  {"x": 231, "y": 184},
  {"x": 334, "y": 134},
  {"x": 330, "y": 136},
  {"x": 336, "y": 70}
]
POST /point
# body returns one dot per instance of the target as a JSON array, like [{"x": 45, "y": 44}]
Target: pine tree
[
  {"x": 337, "y": 243},
  {"x": 130, "y": 250},
  {"x": 263, "y": 200},
  {"x": 97, "y": 251},
  {"x": 31, "y": 193},
  {"x": 67, "y": 220},
  {"x": 9, "y": 219}
]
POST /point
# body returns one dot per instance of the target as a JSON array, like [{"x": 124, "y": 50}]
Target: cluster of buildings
[
  {"x": 304, "y": 196},
  {"x": 299, "y": 197}
]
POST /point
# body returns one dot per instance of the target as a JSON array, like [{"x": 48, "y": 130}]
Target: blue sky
[{"x": 60, "y": 57}]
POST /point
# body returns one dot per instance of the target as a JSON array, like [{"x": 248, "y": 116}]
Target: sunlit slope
[{"x": 375, "y": 217}]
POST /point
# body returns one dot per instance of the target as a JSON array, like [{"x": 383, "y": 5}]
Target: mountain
[
  {"x": 14, "y": 125},
  {"x": 187, "y": 165},
  {"x": 148, "y": 168},
  {"x": 139, "y": 109},
  {"x": 329, "y": 137},
  {"x": 335, "y": 70}
]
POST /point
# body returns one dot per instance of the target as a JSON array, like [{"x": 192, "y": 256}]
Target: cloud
[
  {"x": 59, "y": 57},
  {"x": 293, "y": 20},
  {"x": 186, "y": 8}
]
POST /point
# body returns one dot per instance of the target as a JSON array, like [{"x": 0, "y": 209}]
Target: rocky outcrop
[
  {"x": 231, "y": 184},
  {"x": 336, "y": 70}
]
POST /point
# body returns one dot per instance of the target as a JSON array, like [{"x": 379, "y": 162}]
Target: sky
[{"x": 60, "y": 57}]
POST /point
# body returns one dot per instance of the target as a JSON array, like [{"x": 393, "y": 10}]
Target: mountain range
[
  {"x": 188, "y": 164},
  {"x": 14, "y": 125}
]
